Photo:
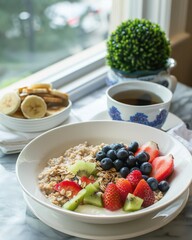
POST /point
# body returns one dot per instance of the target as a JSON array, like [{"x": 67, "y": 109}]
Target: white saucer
[
  {"x": 172, "y": 119},
  {"x": 124, "y": 230}
]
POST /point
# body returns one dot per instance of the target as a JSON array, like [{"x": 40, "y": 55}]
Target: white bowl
[
  {"x": 36, "y": 125},
  {"x": 35, "y": 155}
]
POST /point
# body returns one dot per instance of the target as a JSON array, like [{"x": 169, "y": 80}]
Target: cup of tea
[{"x": 146, "y": 103}]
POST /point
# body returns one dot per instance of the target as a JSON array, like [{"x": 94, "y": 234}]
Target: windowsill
[{"x": 70, "y": 73}]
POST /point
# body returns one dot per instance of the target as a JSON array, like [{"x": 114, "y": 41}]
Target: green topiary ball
[{"x": 138, "y": 45}]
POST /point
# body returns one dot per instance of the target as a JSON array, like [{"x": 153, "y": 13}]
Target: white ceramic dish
[
  {"x": 35, "y": 155},
  {"x": 36, "y": 125},
  {"x": 171, "y": 121},
  {"x": 124, "y": 230}
]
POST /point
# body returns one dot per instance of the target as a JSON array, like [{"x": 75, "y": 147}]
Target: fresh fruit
[
  {"x": 106, "y": 163},
  {"x": 118, "y": 164},
  {"x": 68, "y": 186},
  {"x": 122, "y": 154},
  {"x": 57, "y": 93},
  {"x": 74, "y": 202},
  {"x": 124, "y": 171},
  {"x": 133, "y": 146},
  {"x": 132, "y": 203},
  {"x": 112, "y": 198},
  {"x": 33, "y": 107},
  {"x": 112, "y": 154},
  {"x": 41, "y": 85},
  {"x": 153, "y": 183},
  {"x": 9, "y": 103},
  {"x": 162, "y": 167},
  {"x": 163, "y": 186},
  {"x": 144, "y": 191},
  {"x": 146, "y": 168},
  {"x": 100, "y": 155},
  {"x": 131, "y": 161},
  {"x": 151, "y": 148},
  {"x": 124, "y": 187},
  {"x": 82, "y": 168},
  {"x": 134, "y": 177},
  {"x": 93, "y": 196},
  {"x": 142, "y": 157},
  {"x": 85, "y": 180}
]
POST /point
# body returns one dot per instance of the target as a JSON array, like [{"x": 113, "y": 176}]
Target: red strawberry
[
  {"x": 134, "y": 177},
  {"x": 67, "y": 185},
  {"x": 124, "y": 187},
  {"x": 86, "y": 180},
  {"x": 144, "y": 191},
  {"x": 112, "y": 197},
  {"x": 151, "y": 148},
  {"x": 162, "y": 167}
]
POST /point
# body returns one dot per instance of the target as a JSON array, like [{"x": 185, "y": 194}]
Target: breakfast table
[{"x": 17, "y": 221}]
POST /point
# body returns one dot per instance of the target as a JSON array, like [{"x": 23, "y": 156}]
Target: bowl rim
[{"x": 129, "y": 216}]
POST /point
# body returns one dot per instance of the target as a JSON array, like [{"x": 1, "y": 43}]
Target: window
[
  {"x": 36, "y": 34},
  {"x": 79, "y": 38}
]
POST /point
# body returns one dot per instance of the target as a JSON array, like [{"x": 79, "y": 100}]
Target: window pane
[{"x": 37, "y": 33}]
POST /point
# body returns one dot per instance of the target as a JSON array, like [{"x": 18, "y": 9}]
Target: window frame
[{"x": 86, "y": 71}]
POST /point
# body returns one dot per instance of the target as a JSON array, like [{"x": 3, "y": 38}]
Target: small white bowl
[
  {"x": 36, "y": 125},
  {"x": 35, "y": 155}
]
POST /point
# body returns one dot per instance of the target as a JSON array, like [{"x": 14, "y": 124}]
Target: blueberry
[
  {"x": 131, "y": 161},
  {"x": 133, "y": 147},
  {"x": 124, "y": 171},
  {"x": 100, "y": 155},
  {"x": 163, "y": 186},
  {"x": 117, "y": 146},
  {"x": 134, "y": 168},
  {"x": 106, "y": 148},
  {"x": 146, "y": 168},
  {"x": 122, "y": 154},
  {"x": 153, "y": 183},
  {"x": 106, "y": 163},
  {"x": 130, "y": 153},
  {"x": 145, "y": 177},
  {"x": 118, "y": 164},
  {"x": 112, "y": 154},
  {"x": 142, "y": 157}
]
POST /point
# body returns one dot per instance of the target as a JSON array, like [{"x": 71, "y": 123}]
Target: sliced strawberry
[
  {"x": 162, "y": 167},
  {"x": 134, "y": 177},
  {"x": 112, "y": 197},
  {"x": 151, "y": 148},
  {"x": 68, "y": 186},
  {"x": 124, "y": 187},
  {"x": 144, "y": 191},
  {"x": 86, "y": 180}
]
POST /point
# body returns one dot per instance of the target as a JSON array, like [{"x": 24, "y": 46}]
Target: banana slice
[
  {"x": 41, "y": 85},
  {"x": 9, "y": 103},
  {"x": 57, "y": 93},
  {"x": 33, "y": 107}
]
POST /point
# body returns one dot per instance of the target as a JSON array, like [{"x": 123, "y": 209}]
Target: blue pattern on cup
[{"x": 140, "y": 117}]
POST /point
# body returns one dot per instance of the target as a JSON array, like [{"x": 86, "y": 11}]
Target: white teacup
[
  {"x": 149, "y": 103},
  {"x": 160, "y": 76}
]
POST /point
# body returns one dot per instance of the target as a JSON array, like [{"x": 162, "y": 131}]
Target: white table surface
[{"x": 18, "y": 222}]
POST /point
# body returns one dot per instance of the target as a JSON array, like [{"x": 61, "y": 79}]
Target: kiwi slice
[
  {"x": 132, "y": 203},
  {"x": 82, "y": 168},
  {"x": 92, "y": 196},
  {"x": 94, "y": 199},
  {"x": 73, "y": 203}
]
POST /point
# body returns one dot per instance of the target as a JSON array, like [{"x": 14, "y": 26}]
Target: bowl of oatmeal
[{"x": 64, "y": 170}]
